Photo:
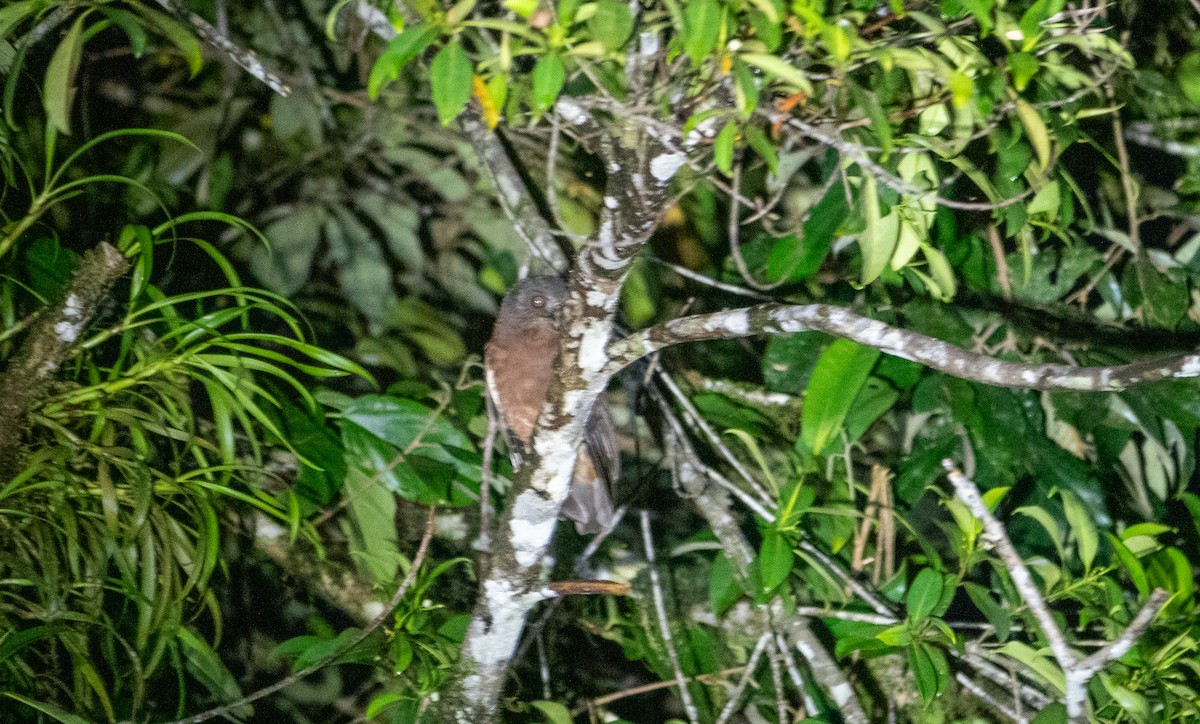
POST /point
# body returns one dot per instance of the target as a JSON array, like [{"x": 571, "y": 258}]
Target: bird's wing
[{"x": 602, "y": 443}]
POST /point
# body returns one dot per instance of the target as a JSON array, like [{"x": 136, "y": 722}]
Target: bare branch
[
  {"x": 664, "y": 626},
  {"x": 247, "y": 59},
  {"x": 1078, "y": 671},
  {"x": 914, "y": 346}
]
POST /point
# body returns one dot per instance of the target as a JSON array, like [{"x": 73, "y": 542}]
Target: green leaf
[
  {"x": 836, "y": 380},
  {"x": 1035, "y": 130},
  {"x": 1048, "y": 522},
  {"x": 459, "y": 12},
  {"x": 898, "y": 635},
  {"x": 702, "y": 27},
  {"x": 1080, "y": 520},
  {"x": 549, "y": 75},
  {"x": 1137, "y": 574},
  {"x": 381, "y": 703},
  {"x": 58, "y": 91},
  {"x": 1187, "y": 76},
  {"x": 52, "y": 710},
  {"x": 924, "y": 594},
  {"x": 15, "y": 12},
  {"x": 774, "y": 560},
  {"x": 399, "y": 52},
  {"x": 997, "y": 615},
  {"x": 180, "y": 37},
  {"x": 877, "y": 242},
  {"x": 450, "y": 77},
  {"x": 924, "y": 672},
  {"x": 1036, "y": 662},
  {"x": 763, "y": 147},
  {"x": 798, "y": 258},
  {"x": 1022, "y": 67},
  {"x": 723, "y": 148},
  {"x": 554, "y": 712},
  {"x": 611, "y": 24},
  {"x": 780, "y": 69}
]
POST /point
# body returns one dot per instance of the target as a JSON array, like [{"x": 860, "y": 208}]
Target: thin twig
[
  {"x": 735, "y": 696},
  {"x": 664, "y": 626},
  {"x": 1078, "y": 671}
]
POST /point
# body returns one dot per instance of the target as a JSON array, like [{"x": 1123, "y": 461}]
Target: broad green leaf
[
  {"x": 14, "y": 13},
  {"x": 762, "y": 146},
  {"x": 799, "y": 258},
  {"x": 1080, "y": 520},
  {"x": 723, "y": 148},
  {"x": 554, "y": 712},
  {"x": 611, "y": 24},
  {"x": 399, "y": 52},
  {"x": 183, "y": 40},
  {"x": 548, "y": 77},
  {"x": 702, "y": 26},
  {"x": 782, "y": 70},
  {"x": 450, "y": 78},
  {"x": 1022, "y": 67},
  {"x": 940, "y": 271},
  {"x": 836, "y": 380},
  {"x": 1035, "y": 130},
  {"x": 1131, "y": 564},
  {"x": 459, "y": 12},
  {"x": 898, "y": 635},
  {"x": 774, "y": 560},
  {"x": 877, "y": 242},
  {"x": 1187, "y": 75},
  {"x": 58, "y": 91},
  {"x": 1043, "y": 516},
  {"x": 924, "y": 594},
  {"x": 923, "y": 670},
  {"x": 996, "y": 614},
  {"x": 382, "y": 703},
  {"x": 1036, "y": 662}
]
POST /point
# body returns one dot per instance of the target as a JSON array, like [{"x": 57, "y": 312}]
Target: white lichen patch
[
  {"x": 611, "y": 202},
  {"x": 597, "y": 298},
  {"x": 531, "y": 526},
  {"x": 738, "y": 324},
  {"x": 570, "y": 111},
  {"x": 1190, "y": 367},
  {"x": 491, "y": 645},
  {"x": 664, "y": 166},
  {"x": 649, "y": 44},
  {"x": 592, "y": 355},
  {"x": 71, "y": 324},
  {"x": 371, "y": 609}
]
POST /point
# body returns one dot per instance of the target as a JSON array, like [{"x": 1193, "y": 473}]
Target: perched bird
[{"x": 519, "y": 365}]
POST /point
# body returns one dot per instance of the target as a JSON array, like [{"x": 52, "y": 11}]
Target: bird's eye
[{"x": 538, "y": 301}]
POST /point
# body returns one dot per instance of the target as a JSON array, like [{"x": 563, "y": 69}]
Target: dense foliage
[{"x": 227, "y": 472}]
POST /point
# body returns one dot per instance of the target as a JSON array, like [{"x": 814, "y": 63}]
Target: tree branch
[
  {"x": 47, "y": 346},
  {"x": 914, "y": 346},
  {"x": 1078, "y": 671},
  {"x": 635, "y": 194}
]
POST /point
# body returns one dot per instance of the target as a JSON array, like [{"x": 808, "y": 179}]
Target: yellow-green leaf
[
  {"x": 1035, "y": 129},
  {"x": 58, "y": 93}
]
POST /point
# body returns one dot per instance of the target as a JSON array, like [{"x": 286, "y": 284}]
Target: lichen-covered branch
[
  {"x": 47, "y": 345},
  {"x": 247, "y": 59},
  {"x": 914, "y": 346},
  {"x": 634, "y": 201}
]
